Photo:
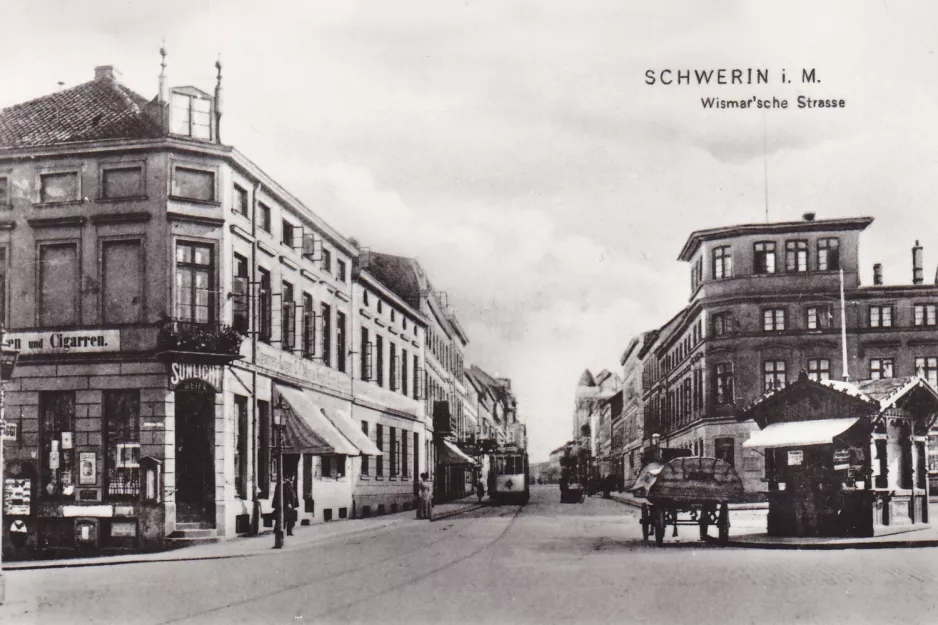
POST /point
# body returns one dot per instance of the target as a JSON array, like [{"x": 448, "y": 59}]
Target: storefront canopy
[
  {"x": 358, "y": 438},
  {"x": 800, "y": 433},
  {"x": 451, "y": 454},
  {"x": 307, "y": 430}
]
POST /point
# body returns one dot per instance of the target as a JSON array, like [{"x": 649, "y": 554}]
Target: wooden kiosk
[{"x": 844, "y": 459}]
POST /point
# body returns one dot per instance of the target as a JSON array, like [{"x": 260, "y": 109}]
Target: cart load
[{"x": 699, "y": 488}]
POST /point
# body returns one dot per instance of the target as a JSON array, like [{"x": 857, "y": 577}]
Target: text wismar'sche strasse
[{"x": 742, "y": 77}]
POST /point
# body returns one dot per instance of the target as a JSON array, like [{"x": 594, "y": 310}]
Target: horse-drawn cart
[{"x": 687, "y": 491}]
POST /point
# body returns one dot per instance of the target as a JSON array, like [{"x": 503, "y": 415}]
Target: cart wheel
[
  {"x": 659, "y": 526},
  {"x": 704, "y": 518},
  {"x": 724, "y": 523}
]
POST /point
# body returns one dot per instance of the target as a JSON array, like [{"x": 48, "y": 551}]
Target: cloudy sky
[{"x": 515, "y": 149}]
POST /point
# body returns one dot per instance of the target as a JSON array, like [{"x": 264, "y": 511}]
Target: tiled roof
[
  {"x": 96, "y": 110},
  {"x": 398, "y": 275}
]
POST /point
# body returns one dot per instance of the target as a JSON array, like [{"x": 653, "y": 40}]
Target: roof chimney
[
  {"x": 878, "y": 274},
  {"x": 808, "y": 216},
  {"x": 917, "y": 276},
  {"x": 105, "y": 72}
]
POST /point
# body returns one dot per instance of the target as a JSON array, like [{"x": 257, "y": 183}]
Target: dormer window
[{"x": 191, "y": 115}]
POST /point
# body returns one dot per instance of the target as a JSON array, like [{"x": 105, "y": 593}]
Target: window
[
  {"x": 3, "y": 285},
  {"x": 404, "y": 372},
  {"x": 264, "y": 217},
  {"x": 122, "y": 441},
  {"x": 326, "y": 260},
  {"x": 241, "y": 447},
  {"x": 286, "y": 233},
  {"x": 764, "y": 257},
  {"x": 365, "y": 457},
  {"x": 380, "y": 307},
  {"x": 365, "y": 354},
  {"x": 416, "y": 385},
  {"x": 405, "y": 461},
  {"x": 773, "y": 374},
  {"x": 380, "y": 358},
  {"x": 880, "y": 316},
  {"x": 722, "y": 323},
  {"x": 58, "y": 285},
  {"x": 194, "y": 184},
  {"x": 722, "y": 262},
  {"x": 392, "y": 362},
  {"x": 263, "y": 448},
  {"x": 265, "y": 307},
  {"x": 796, "y": 256},
  {"x": 191, "y": 116},
  {"x": 725, "y": 450},
  {"x": 333, "y": 466},
  {"x": 309, "y": 326},
  {"x": 326, "y": 334},
  {"x": 4, "y": 192},
  {"x": 392, "y": 470},
  {"x": 288, "y": 318},
  {"x": 927, "y": 367},
  {"x": 773, "y": 319},
  {"x": 340, "y": 341},
  {"x": 240, "y": 302},
  {"x": 341, "y": 270},
  {"x": 365, "y": 297},
  {"x": 122, "y": 277},
  {"x": 924, "y": 314},
  {"x": 56, "y": 428},
  {"x": 379, "y": 443},
  {"x": 122, "y": 182},
  {"x": 724, "y": 384},
  {"x": 59, "y": 187},
  {"x": 696, "y": 273},
  {"x": 194, "y": 290},
  {"x": 828, "y": 254},
  {"x": 817, "y": 317},
  {"x": 882, "y": 368},
  {"x": 239, "y": 202},
  {"x": 819, "y": 369}
]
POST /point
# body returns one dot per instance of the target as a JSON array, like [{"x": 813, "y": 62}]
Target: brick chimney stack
[
  {"x": 878, "y": 274},
  {"x": 106, "y": 72},
  {"x": 917, "y": 275}
]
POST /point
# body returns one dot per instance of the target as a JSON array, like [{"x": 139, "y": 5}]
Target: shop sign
[
  {"x": 795, "y": 457},
  {"x": 841, "y": 459},
  {"x": 65, "y": 342},
  {"x": 180, "y": 372},
  {"x": 16, "y": 496},
  {"x": 123, "y": 529}
]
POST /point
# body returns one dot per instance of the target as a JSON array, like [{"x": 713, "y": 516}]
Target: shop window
[
  {"x": 308, "y": 505},
  {"x": 882, "y": 368},
  {"x": 56, "y": 431},
  {"x": 3, "y": 285},
  {"x": 193, "y": 184},
  {"x": 393, "y": 448},
  {"x": 241, "y": 446},
  {"x": 340, "y": 354},
  {"x": 405, "y": 459},
  {"x": 722, "y": 262},
  {"x": 828, "y": 254},
  {"x": 333, "y": 466},
  {"x": 122, "y": 277},
  {"x": 365, "y": 458},
  {"x": 59, "y": 187},
  {"x": 379, "y": 443},
  {"x": 194, "y": 283},
  {"x": 773, "y": 374},
  {"x": 326, "y": 334},
  {"x": 58, "y": 285},
  {"x": 819, "y": 369},
  {"x": 881, "y": 477},
  {"x": 122, "y": 441},
  {"x": 263, "y": 448},
  {"x": 921, "y": 476},
  {"x": 725, "y": 449},
  {"x": 796, "y": 256},
  {"x": 764, "y": 257},
  {"x": 240, "y": 301}
]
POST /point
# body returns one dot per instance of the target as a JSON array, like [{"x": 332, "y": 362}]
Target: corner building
[
  {"x": 765, "y": 304},
  {"x": 171, "y": 303}
]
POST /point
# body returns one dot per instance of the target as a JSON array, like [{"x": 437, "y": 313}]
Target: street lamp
[
  {"x": 279, "y": 407},
  {"x": 8, "y": 357}
]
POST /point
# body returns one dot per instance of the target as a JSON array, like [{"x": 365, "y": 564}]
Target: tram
[{"x": 509, "y": 479}]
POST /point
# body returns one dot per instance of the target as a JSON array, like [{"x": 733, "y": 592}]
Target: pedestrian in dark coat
[{"x": 291, "y": 503}]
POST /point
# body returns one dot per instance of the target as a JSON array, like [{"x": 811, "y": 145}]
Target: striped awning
[
  {"x": 800, "y": 433},
  {"x": 346, "y": 426},
  {"x": 306, "y": 428}
]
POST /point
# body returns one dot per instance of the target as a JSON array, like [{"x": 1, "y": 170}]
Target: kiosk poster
[{"x": 17, "y": 496}]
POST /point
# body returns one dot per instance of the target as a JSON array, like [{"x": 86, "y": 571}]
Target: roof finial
[
  {"x": 163, "y": 95},
  {"x": 218, "y": 107}
]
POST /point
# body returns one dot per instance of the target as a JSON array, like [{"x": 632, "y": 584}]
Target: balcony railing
[{"x": 216, "y": 339}]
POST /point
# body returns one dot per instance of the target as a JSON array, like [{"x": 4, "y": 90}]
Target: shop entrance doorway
[{"x": 195, "y": 454}]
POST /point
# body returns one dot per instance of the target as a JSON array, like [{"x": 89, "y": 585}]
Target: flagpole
[{"x": 843, "y": 327}]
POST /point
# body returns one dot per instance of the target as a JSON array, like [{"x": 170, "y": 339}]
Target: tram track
[{"x": 352, "y": 570}]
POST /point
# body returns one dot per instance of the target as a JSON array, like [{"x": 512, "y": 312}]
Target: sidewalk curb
[
  {"x": 151, "y": 558},
  {"x": 890, "y": 544}
]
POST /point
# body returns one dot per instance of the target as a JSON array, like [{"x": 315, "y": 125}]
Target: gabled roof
[
  {"x": 398, "y": 274},
  {"x": 97, "y": 110},
  {"x": 586, "y": 379}
]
